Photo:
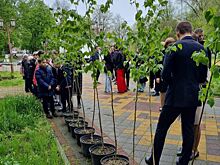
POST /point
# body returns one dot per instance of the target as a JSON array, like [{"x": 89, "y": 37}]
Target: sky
[{"x": 121, "y": 7}]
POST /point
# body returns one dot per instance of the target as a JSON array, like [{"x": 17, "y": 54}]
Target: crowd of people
[
  {"x": 52, "y": 82},
  {"x": 178, "y": 85}
]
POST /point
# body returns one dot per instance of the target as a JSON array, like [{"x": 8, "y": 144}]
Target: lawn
[
  {"x": 26, "y": 136},
  {"x": 6, "y": 80}
]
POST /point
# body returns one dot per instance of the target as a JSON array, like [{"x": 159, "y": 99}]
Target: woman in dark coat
[{"x": 118, "y": 61}]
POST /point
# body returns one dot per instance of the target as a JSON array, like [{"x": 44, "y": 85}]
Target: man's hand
[
  {"x": 58, "y": 88},
  {"x": 158, "y": 80},
  {"x": 49, "y": 88}
]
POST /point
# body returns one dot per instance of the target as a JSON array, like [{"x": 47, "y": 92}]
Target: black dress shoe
[
  {"x": 49, "y": 116},
  {"x": 194, "y": 156},
  {"x": 149, "y": 161},
  {"x": 55, "y": 114},
  {"x": 179, "y": 152},
  {"x": 156, "y": 94}
]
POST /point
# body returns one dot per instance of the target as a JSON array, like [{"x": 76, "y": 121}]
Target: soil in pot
[
  {"x": 77, "y": 124},
  {"x": 74, "y": 114},
  {"x": 97, "y": 152},
  {"x": 69, "y": 120},
  {"x": 87, "y": 141},
  {"x": 79, "y": 132},
  {"x": 115, "y": 160}
]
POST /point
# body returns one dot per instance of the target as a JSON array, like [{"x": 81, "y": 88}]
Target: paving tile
[{"x": 167, "y": 158}]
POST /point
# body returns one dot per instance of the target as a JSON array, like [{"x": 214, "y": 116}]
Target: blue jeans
[
  {"x": 107, "y": 83},
  {"x": 141, "y": 88}
]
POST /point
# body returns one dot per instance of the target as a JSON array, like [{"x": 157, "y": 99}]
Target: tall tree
[
  {"x": 7, "y": 12},
  {"x": 117, "y": 27},
  {"x": 102, "y": 20},
  {"x": 35, "y": 19}
]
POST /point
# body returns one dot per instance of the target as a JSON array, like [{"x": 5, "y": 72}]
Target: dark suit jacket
[{"x": 182, "y": 75}]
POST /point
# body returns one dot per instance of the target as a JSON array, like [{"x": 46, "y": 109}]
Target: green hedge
[{"x": 25, "y": 135}]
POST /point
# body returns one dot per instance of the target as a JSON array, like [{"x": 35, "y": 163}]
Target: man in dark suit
[{"x": 183, "y": 78}]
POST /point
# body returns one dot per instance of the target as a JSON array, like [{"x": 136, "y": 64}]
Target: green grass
[
  {"x": 26, "y": 136},
  {"x": 6, "y": 81}
]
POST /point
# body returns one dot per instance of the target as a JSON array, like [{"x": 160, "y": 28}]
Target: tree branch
[{"x": 194, "y": 10}]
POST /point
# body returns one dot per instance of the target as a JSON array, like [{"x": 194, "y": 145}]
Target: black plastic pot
[
  {"x": 123, "y": 160},
  {"x": 76, "y": 124},
  {"x": 78, "y": 133},
  {"x": 96, "y": 157},
  {"x": 85, "y": 144},
  {"x": 71, "y": 114},
  {"x": 69, "y": 120}
]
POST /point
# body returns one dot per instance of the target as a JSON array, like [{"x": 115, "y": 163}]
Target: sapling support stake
[
  {"x": 80, "y": 93},
  {"x": 135, "y": 116},
  {"x": 93, "y": 114},
  {"x": 100, "y": 118},
  {"x": 151, "y": 130}
]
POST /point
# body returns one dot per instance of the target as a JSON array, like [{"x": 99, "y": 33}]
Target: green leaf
[
  {"x": 215, "y": 71},
  {"x": 148, "y": 3},
  {"x": 180, "y": 46},
  {"x": 138, "y": 14},
  {"x": 150, "y": 13},
  {"x": 102, "y": 8},
  {"x": 163, "y": 2},
  {"x": 208, "y": 15},
  {"x": 216, "y": 21},
  {"x": 173, "y": 48},
  {"x": 211, "y": 102}
]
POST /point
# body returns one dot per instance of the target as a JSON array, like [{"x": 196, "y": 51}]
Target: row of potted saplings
[{"x": 92, "y": 145}]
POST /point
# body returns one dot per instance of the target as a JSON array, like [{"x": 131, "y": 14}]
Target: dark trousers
[
  {"x": 167, "y": 117},
  {"x": 157, "y": 87},
  {"x": 97, "y": 75},
  {"x": 35, "y": 91},
  {"x": 28, "y": 85},
  {"x": 78, "y": 100},
  {"x": 66, "y": 95},
  {"x": 127, "y": 76},
  {"x": 151, "y": 82},
  {"x": 46, "y": 100}
]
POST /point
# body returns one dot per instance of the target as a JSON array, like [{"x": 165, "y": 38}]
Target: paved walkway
[{"x": 124, "y": 111}]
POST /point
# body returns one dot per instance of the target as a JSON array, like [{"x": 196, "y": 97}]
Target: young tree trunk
[{"x": 113, "y": 116}]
